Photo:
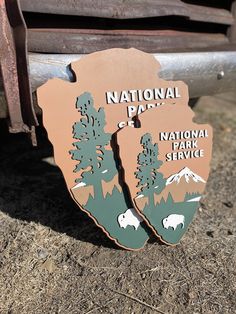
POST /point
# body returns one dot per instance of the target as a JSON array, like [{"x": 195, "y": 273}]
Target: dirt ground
[{"x": 53, "y": 259}]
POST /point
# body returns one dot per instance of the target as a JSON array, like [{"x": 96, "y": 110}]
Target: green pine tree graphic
[
  {"x": 150, "y": 180},
  {"x": 93, "y": 157}
]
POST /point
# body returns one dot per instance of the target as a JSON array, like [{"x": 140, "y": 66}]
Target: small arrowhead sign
[{"x": 166, "y": 167}]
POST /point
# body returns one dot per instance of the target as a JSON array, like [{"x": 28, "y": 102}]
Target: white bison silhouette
[
  {"x": 129, "y": 218},
  {"x": 173, "y": 221}
]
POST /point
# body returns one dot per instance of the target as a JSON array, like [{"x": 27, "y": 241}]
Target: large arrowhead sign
[{"x": 131, "y": 156}]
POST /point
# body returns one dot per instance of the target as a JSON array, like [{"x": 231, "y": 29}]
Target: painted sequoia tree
[
  {"x": 150, "y": 180},
  {"x": 90, "y": 146}
]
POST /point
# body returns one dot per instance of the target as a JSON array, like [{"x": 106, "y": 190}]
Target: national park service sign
[{"x": 131, "y": 156}]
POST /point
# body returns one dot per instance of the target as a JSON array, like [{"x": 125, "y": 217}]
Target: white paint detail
[
  {"x": 129, "y": 218},
  {"x": 195, "y": 199},
  {"x": 79, "y": 185},
  {"x": 173, "y": 221},
  {"x": 104, "y": 171},
  {"x": 187, "y": 174},
  {"x": 140, "y": 195}
]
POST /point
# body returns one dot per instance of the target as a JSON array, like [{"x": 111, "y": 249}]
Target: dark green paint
[
  {"x": 150, "y": 180},
  {"x": 189, "y": 196},
  {"x": 100, "y": 164},
  {"x": 90, "y": 145},
  {"x": 106, "y": 212},
  {"x": 156, "y": 214}
]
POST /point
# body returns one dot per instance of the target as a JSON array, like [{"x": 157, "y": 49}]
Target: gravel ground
[{"x": 53, "y": 259}]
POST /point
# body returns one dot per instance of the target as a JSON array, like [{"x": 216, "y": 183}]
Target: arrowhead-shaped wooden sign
[
  {"x": 83, "y": 118},
  {"x": 166, "y": 167}
]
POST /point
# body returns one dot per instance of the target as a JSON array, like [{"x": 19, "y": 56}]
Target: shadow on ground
[{"x": 32, "y": 189}]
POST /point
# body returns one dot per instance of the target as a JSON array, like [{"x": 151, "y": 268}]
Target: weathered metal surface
[
  {"x": 232, "y": 29},
  {"x": 14, "y": 67},
  {"x": 199, "y": 70},
  {"x": 20, "y": 39},
  {"x": 120, "y": 9},
  {"x": 3, "y": 106},
  {"x": 8, "y": 65},
  {"x": 13, "y": 37},
  {"x": 208, "y": 14},
  {"x": 87, "y": 41}
]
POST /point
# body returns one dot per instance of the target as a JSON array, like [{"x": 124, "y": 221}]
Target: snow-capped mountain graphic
[
  {"x": 184, "y": 174},
  {"x": 182, "y": 182},
  {"x": 180, "y": 185}
]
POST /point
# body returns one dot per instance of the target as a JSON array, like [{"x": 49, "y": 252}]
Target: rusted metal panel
[
  {"x": 87, "y": 41},
  {"x": 209, "y": 14},
  {"x": 232, "y": 29},
  {"x": 8, "y": 65},
  {"x": 20, "y": 39},
  {"x": 14, "y": 71},
  {"x": 119, "y": 9}
]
